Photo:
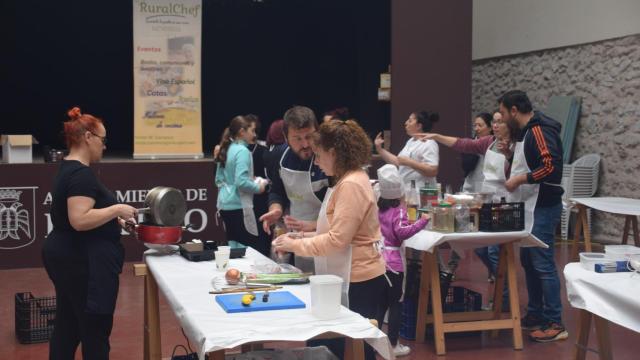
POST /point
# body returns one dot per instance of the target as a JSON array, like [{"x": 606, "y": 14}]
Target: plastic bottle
[{"x": 413, "y": 202}]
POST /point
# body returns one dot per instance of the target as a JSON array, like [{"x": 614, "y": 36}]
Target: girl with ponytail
[{"x": 236, "y": 183}]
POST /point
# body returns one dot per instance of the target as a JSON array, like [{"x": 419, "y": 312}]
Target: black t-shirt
[
  {"x": 98, "y": 250},
  {"x": 77, "y": 179}
]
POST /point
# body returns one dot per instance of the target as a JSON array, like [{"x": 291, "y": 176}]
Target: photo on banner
[{"x": 167, "y": 72}]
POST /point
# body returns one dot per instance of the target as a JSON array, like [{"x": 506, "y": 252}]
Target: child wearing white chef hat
[{"x": 395, "y": 228}]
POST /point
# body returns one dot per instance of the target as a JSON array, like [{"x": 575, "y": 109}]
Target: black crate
[
  {"x": 34, "y": 317},
  {"x": 461, "y": 299},
  {"x": 458, "y": 299},
  {"x": 498, "y": 217}
]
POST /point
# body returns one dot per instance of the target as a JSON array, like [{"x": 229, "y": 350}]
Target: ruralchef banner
[{"x": 166, "y": 71}]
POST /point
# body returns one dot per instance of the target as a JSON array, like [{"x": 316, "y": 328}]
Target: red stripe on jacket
[{"x": 544, "y": 152}]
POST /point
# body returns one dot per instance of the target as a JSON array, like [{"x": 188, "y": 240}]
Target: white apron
[
  {"x": 403, "y": 256},
  {"x": 304, "y": 205},
  {"x": 338, "y": 263},
  {"x": 473, "y": 181},
  {"x": 493, "y": 173},
  {"x": 246, "y": 199},
  {"x": 527, "y": 193},
  {"x": 414, "y": 149}
]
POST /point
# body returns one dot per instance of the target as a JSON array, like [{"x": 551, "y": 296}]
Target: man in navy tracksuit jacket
[{"x": 542, "y": 150}]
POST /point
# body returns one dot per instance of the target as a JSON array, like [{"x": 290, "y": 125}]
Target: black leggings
[
  {"x": 235, "y": 229},
  {"x": 73, "y": 324},
  {"x": 391, "y": 301}
]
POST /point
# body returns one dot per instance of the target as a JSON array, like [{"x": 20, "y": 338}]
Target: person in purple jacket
[{"x": 395, "y": 228}]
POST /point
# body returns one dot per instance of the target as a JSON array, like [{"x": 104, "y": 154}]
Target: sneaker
[
  {"x": 489, "y": 306},
  {"x": 401, "y": 350},
  {"x": 532, "y": 322},
  {"x": 491, "y": 279},
  {"x": 551, "y": 332},
  {"x": 446, "y": 277}
]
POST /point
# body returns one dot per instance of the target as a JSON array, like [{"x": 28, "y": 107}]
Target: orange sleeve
[{"x": 347, "y": 214}]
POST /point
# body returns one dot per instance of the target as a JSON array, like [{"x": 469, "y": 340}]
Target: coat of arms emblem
[{"x": 13, "y": 218}]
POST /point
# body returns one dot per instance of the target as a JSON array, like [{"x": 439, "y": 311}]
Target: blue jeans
[
  {"x": 489, "y": 256},
  {"x": 543, "y": 283}
]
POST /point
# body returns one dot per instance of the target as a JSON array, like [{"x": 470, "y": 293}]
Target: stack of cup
[
  {"x": 326, "y": 291},
  {"x": 222, "y": 257}
]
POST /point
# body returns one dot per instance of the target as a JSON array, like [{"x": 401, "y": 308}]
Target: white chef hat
[{"x": 391, "y": 185}]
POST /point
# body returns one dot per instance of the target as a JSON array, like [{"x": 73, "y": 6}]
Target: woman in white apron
[
  {"x": 418, "y": 160},
  {"x": 236, "y": 184},
  {"x": 347, "y": 229},
  {"x": 472, "y": 164},
  {"x": 496, "y": 150}
]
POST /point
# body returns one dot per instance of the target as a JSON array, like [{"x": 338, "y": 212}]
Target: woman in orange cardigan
[{"x": 345, "y": 241}]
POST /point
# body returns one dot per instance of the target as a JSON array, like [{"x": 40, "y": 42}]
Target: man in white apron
[
  {"x": 536, "y": 173},
  {"x": 298, "y": 184}
]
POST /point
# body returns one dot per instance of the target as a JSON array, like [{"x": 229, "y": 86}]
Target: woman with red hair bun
[{"x": 83, "y": 255}]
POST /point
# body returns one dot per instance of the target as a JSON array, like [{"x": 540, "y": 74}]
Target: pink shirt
[
  {"x": 395, "y": 228},
  {"x": 478, "y": 146}
]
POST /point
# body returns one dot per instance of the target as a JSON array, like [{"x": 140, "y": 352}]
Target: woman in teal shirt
[{"x": 236, "y": 183}]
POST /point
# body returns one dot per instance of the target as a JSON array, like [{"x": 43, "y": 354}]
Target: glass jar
[
  {"x": 428, "y": 211},
  {"x": 428, "y": 196},
  {"x": 443, "y": 218},
  {"x": 462, "y": 222}
]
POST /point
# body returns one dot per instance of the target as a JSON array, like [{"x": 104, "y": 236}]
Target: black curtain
[{"x": 258, "y": 57}]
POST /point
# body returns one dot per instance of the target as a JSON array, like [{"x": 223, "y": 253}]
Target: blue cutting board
[{"x": 279, "y": 300}]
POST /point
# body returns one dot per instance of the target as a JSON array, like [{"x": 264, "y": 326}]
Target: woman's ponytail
[
  {"x": 225, "y": 142},
  {"x": 228, "y": 136}
]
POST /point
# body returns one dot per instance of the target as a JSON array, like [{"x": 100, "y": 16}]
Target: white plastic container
[
  {"x": 588, "y": 260},
  {"x": 325, "y": 296},
  {"x": 621, "y": 252}
]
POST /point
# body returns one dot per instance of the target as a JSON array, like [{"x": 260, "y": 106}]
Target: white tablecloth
[
  {"x": 613, "y": 296},
  {"x": 427, "y": 240},
  {"x": 615, "y": 205},
  {"x": 186, "y": 286}
]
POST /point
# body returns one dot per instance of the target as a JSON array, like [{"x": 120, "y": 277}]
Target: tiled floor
[{"x": 126, "y": 339}]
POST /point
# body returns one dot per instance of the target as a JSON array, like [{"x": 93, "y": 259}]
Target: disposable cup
[
  {"x": 222, "y": 260},
  {"x": 325, "y": 296}
]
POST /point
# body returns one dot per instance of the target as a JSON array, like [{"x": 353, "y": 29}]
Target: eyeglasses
[{"x": 102, "y": 138}]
